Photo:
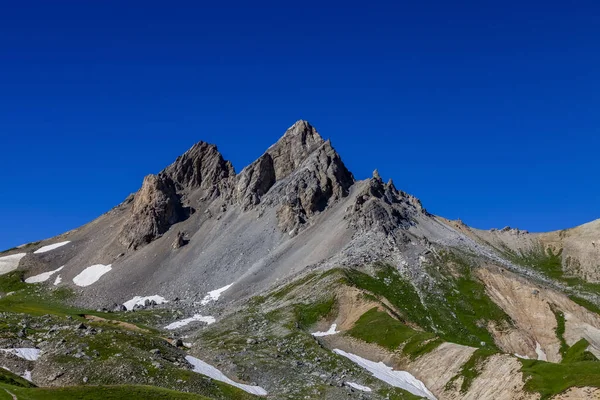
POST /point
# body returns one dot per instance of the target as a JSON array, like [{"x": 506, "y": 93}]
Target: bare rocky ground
[{"x": 303, "y": 246}]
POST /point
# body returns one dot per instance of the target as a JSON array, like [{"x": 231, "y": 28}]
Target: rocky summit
[{"x": 293, "y": 280}]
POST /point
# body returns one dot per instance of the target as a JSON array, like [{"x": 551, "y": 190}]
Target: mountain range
[{"x": 292, "y": 279}]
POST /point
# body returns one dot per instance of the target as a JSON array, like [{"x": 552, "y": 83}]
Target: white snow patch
[
  {"x": 27, "y": 375},
  {"x": 25, "y": 353},
  {"x": 42, "y": 277},
  {"x": 91, "y": 274},
  {"x": 206, "y": 369},
  {"x": 331, "y": 331},
  {"x": 49, "y": 247},
  {"x": 520, "y": 356},
  {"x": 540, "y": 352},
  {"x": 214, "y": 295},
  {"x": 10, "y": 263},
  {"x": 139, "y": 300},
  {"x": 197, "y": 317},
  {"x": 400, "y": 379},
  {"x": 57, "y": 281},
  {"x": 359, "y": 387}
]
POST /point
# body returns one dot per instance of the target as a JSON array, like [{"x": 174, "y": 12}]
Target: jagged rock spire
[
  {"x": 300, "y": 140},
  {"x": 300, "y": 147},
  {"x": 201, "y": 166}
]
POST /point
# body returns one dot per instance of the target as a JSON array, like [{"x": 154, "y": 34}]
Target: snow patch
[
  {"x": 331, "y": 331},
  {"x": 197, "y": 317},
  {"x": 27, "y": 375},
  {"x": 214, "y": 295},
  {"x": 57, "y": 281},
  {"x": 520, "y": 356},
  {"x": 42, "y": 277},
  {"x": 400, "y": 379},
  {"x": 139, "y": 300},
  {"x": 10, "y": 263},
  {"x": 540, "y": 352},
  {"x": 359, "y": 387},
  {"x": 206, "y": 369},
  {"x": 29, "y": 354},
  {"x": 91, "y": 274},
  {"x": 49, "y": 247}
]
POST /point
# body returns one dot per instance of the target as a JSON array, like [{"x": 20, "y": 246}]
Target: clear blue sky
[{"x": 487, "y": 111}]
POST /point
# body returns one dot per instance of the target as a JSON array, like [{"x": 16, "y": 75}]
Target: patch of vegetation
[
  {"x": 420, "y": 345},
  {"x": 397, "y": 394},
  {"x": 102, "y": 393},
  {"x": 471, "y": 369},
  {"x": 578, "y": 352},
  {"x": 560, "y": 330},
  {"x": 8, "y": 378},
  {"x": 308, "y": 314},
  {"x": 457, "y": 310},
  {"x": 549, "y": 263},
  {"x": 550, "y": 379},
  {"x": 12, "y": 282},
  {"x": 585, "y": 304},
  {"x": 378, "y": 327},
  {"x": 287, "y": 289},
  {"x": 389, "y": 285}
]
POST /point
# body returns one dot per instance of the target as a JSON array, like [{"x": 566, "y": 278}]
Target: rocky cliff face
[
  {"x": 383, "y": 208},
  {"x": 156, "y": 206},
  {"x": 202, "y": 166}
]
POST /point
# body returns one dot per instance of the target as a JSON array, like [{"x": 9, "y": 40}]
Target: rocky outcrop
[
  {"x": 254, "y": 181},
  {"x": 202, "y": 166},
  {"x": 321, "y": 179},
  {"x": 180, "y": 240},
  {"x": 383, "y": 208},
  {"x": 298, "y": 142},
  {"x": 310, "y": 172},
  {"x": 156, "y": 206}
]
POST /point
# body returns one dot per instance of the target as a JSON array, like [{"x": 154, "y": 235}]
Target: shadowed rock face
[
  {"x": 321, "y": 179},
  {"x": 202, "y": 166},
  {"x": 156, "y": 206},
  {"x": 255, "y": 180}
]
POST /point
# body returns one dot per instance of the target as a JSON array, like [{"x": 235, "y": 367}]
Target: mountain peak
[
  {"x": 297, "y": 143},
  {"x": 201, "y": 166}
]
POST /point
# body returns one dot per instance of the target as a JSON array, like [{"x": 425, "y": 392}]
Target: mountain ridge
[{"x": 255, "y": 261}]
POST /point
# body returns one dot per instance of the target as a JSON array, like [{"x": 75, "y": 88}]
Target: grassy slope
[
  {"x": 111, "y": 347},
  {"x": 100, "y": 393},
  {"x": 457, "y": 310},
  {"x": 378, "y": 327}
]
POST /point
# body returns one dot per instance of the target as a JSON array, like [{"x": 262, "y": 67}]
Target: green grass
[
  {"x": 378, "y": 327},
  {"x": 457, "y": 310},
  {"x": 12, "y": 282},
  {"x": 578, "y": 352},
  {"x": 550, "y": 379},
  {"x": 472, "y": 368},
  {"x": 397, "y": 394},
  {"x": 585, "y": 304},
  {"x": 549, "y": 263},
  {"x": 101, "y": 393},
  {"x": 308, "y": 314},
  {"x": 560, "y": 330},
  {"x": 8, "y": 378}
]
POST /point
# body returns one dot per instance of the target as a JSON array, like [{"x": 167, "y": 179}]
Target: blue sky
[{"x": 488, "y": 112}]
